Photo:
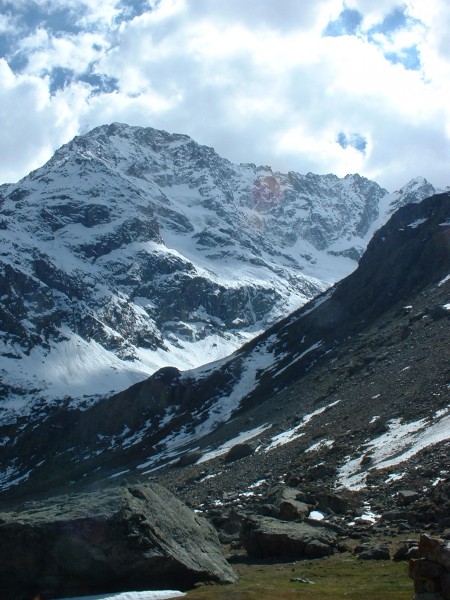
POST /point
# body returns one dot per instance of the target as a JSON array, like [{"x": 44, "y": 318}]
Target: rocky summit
[{"x": 134, "y": 249}]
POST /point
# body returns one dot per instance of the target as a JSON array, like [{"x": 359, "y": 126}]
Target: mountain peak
[
  {"x": 134, "y": 249},
  {"x": 340, "y": 356},
  {"x": 415, "y": 184}
]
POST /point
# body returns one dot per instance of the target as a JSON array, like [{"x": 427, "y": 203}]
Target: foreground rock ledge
[
  {"x": 138, "y": 537},
  {"x": 265, "y": 537}
]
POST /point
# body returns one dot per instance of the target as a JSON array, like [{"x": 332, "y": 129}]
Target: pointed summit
[{"x": 134, "y": 249}]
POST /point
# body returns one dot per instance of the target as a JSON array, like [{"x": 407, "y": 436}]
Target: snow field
[
  {"x": 401, "y": 442},
  {"x": 158, "y": 595}
]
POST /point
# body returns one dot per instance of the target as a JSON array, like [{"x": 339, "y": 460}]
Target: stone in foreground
[
  {"x": 138, "y": 537},
  {"x": 265, "y": 537}
]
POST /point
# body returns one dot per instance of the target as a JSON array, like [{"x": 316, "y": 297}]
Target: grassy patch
[{"x": 336, "y": 577}]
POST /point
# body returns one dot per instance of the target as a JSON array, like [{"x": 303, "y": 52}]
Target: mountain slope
[
  {"x": 133, "y": 248},
  {"x": 368, "y": 358}
]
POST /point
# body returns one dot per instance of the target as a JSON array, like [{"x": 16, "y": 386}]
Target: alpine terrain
[
  {"x": 292, "y": 417},
  {"x": 353, "y": 388},
  {"x": 134, "y": 249}
]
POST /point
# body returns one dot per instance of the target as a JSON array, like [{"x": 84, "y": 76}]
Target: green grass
[{"x": 336, "y": 577}]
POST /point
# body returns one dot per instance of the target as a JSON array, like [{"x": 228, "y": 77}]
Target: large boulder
[
  {"x": 137, "y": 538},
  {"x": 266, "y": 537}
]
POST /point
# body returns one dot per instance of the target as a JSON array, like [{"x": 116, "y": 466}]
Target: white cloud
[
  {"x": 45, "y": 51},
  {"x": 254, "y": 14},
  {"x": 7, "y": 24},
  {"x": 258, "y": 83},
  {"x": 374, "y": 11},
  {"x": 34, "y": 124}
]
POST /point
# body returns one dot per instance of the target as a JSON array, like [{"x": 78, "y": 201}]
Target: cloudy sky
[{"x": 305, "y": 85}]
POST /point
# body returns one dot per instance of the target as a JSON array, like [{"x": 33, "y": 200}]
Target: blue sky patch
[
  {"x": 130, "y": 9},
  {"x": 5, "y": 44},
  {"x": 355, "y": 140},
  {"x": 31, "y": 16},
  {"x": 346, "y": 24},
  {"x": 100, "y": 83},
  {"x": 17, "y": 62},
  {"x": 394, "y": 21},
  {"x": 61, "y": 77},
  {"x": 408, "y": 57}
]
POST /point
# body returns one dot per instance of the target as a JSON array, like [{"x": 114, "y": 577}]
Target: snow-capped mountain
[
  {"x": 132, "y": 249},
  {"x": 362, "y": 369}
]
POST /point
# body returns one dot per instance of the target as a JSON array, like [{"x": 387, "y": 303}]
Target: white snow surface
[
  {"x": 296, "y": 432},
  {"x": 221, "y": 407},
  {"x": 401, "y": 442},
  {"x": 320, "y": 444},
  {"x": 156, "y": 595},
  {"x": 416, "y": 223},
  {"x": 239, "y": 439},
  {"x": 316, "y": 515},
  {"x": 248, "y": 229}
]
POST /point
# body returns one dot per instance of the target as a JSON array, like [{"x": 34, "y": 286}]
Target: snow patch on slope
[
  {"x": 239, "y": 439},
  {"x": 221, "y": 408},
  {"x": 157, "y": 595},
  {"x": 296, "y": 432},
  {"x": 401, "y": 442}
]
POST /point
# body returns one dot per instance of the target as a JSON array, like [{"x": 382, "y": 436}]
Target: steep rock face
[
  {"x": 139, "y": 537},
  {"x": 152, "y": 423},
  {"x": 132, "y": 249}
]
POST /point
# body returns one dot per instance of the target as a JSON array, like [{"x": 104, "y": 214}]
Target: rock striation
[{"x": 137, "y": 537}]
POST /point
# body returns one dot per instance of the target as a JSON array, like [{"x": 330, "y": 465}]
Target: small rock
[
  {"x": 189, "y": 458},
  {"x": 372, "y": 552},
  {"x": 406, "y": 552},
  {"x": 405, "y": 497},
  {"x": 239, "y": 451}
]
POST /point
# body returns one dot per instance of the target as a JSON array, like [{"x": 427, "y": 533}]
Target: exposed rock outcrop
[
  {"x": 139, "y": 537},
  {"x": 431, "y": 571},
  {"x": 266, "y": 537},
  {"x": 153, "y": 250}
]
